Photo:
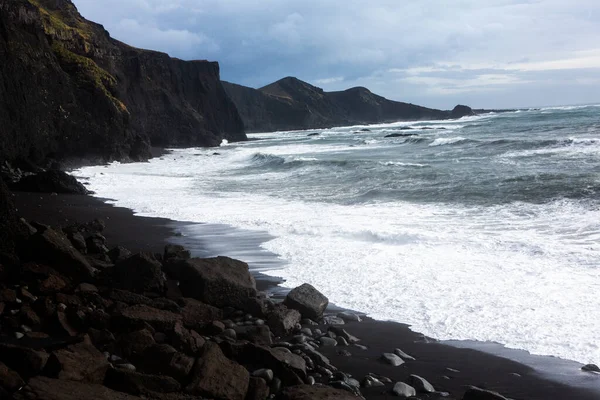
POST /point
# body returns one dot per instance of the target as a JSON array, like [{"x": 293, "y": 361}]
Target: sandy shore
[{"x": 448, "y": 368}]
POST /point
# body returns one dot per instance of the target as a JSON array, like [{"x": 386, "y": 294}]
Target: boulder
[
  {"x": 130, "y": 298},
  {"x": 197, "y": 314},
  {"x": 134, "y": 344},
  {"x": 401, "y": 389},
  {"x": 81, "y": 362},
  {"x": 78, "y": 241},
  {"x": 393, "y": 135},
  {"x": 282, "y": 320},
  {"x": 186, "y": 341},
  {"x": 475, "y": 393},
  {"x": 257, "y": 389},
  {"x": 461, "y": 111},
  {"x": 54, "y": 248},
  {"x": 138, "y": 315},
  {"x": 96, "y": 244},
  {"x": 420, "y": 384},
  {"x": 136, "y": 383},
  {"x": 403, "y": 355},
  {"x": 392, "y": 359},
  {"x": 44, "y": 388},
  {"x": 590, "y": 368},
  {"x": 344, "y": 334},
  {"x": 9, "y": 379},
  {"x": 316, "y": 392},
  {"x": 139, "y": 273},
  {"x": 349, "y": 316},
  {"x": 51, "y": 181},
  {"x": 257, "y": 334},
  {"x": 52, "y": 284},
  {"x": 26, "y": 361},
  {"x": 175, "y": 252},
  {"x": 220, "y": 281},
  {"x": 216, "y": 376},
  {"x": 118, "y": 254},
  {"x": 309, "y": 301}
]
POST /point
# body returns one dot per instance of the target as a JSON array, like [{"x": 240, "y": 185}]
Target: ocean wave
[
  {"x": 402, "y": 164},
  {"x": 446, "y": 141}
]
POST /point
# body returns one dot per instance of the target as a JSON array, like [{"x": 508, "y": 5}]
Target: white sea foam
[
  {"x": 445, "y": 141},
  {"x": 521, "y": 274}
]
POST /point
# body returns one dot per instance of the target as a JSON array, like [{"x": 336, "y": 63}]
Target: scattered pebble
[
  {"x": 401, "y": 389},
  {"x": 19, "y": 335},
  {"x": 264, "y": 373}
]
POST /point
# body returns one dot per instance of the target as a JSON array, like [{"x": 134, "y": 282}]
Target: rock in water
[
  {"x": 475, "y": 393},
  {"x": 51, "y": 181},
  {"x": 461, "y": 111},
  {"x": 420, "y": 384},
  {"x": 309, "y": 301},
  {"x": 220, "y": 281},
  {"x": 218, "y": 377},
  {"x": 401, "y": 389},
  {"x": 590, "y": 368}
]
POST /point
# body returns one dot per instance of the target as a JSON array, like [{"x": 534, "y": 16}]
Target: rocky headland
[{"x": 291, "y": 104}]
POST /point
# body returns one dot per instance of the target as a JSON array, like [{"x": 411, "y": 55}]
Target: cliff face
[
  {"x": 67, "y": 89},
  {"x": 293, "y": 104}
]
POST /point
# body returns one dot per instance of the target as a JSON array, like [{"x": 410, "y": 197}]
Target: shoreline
[{"x": 478, "y": 368}]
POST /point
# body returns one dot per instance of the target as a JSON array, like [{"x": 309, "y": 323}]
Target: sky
[{"x": 437, "y": 53}]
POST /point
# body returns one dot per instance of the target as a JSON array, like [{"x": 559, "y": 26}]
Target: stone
[
  {"x": 218, "y": 377},
  {"x": 283, "y": 320},
  {"x": 219, "y": 281},
  {"x": 197, "y": 314},
  {"x": 165, "y": 304},
  {"x": 264, "y": 373},
  {"x": 26, "y": 361},
  {"x": 392, "y": 359},
  {"x": 129, "y": 298},
  {"x": 30, "y": 317},
  {"x": 118, "y": 254},
  {"x": 8, "y": 296},
  {"x": 51, "y": 181},
  {"x": 340, "y": 332},
  {"x": 138, "y": 384},
  {"x": 175, "y": 252},
  {"x": 9, "y": 379},
  {"x": 86, "y": 288},
  {"x": 341, "y": 341},
  {"x": 307, "y": 300},
  {"x": 134, "y": 344},
  {"x": 96, "y": 244},
  {"x": 314, "y": 392},
  {"x": 475, "y": 393},
  {"x": 370, "y": 381},
  {"x": 348, "y": 316},
  {"x": 344, "y": 353},
  {"x": 403, "y": 355},
  {"x": 333, "y": 320},
  {"x": 78, "y": 241},
  {"x": 230, "y": 333},
  {"x": 590, "y": 368},
  {"x": 260, "y": 334},
  {"x": 136, "y": 316},
  {"x": 216, "y": 327},
  {"x": 186, "y": 341},
  {"x": 327, "y": 341},
  {"x": 420, "y": 384},
  {"x": 401, "y": 389},
  {"x": 43, "y": 388},
  {"x": 54, "y": 247},
  {"x": 81, "y": 362},
  {"x": 101, "y": 338},
  {"x": 62, "y": 325},
  {"x": 139, "y": 273},
  {"x": 52, "y": 284},
  {"x": 257, "y": 389}
]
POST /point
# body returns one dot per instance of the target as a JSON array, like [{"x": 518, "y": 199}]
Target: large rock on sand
[
  {"x": 283, "y": 320},
  {"x": 475, "y": 393},
  {"x": 50, "y": 246},
  {"x": 140, "y": 273},
  {"x": 309, "y": 301},
  {"x": 51, "y": 181},
  {"x": 220, "y": 281},
  {"x": 215, "y": 376},
  {"x": 81, "y": 362}
]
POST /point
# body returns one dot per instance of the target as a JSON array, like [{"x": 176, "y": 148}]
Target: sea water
[{"x": 485, "y": 228}]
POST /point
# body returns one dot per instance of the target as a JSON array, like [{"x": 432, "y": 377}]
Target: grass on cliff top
[
  {"x": 55, "y": 23},
  {"x": 86, "y": 71}
]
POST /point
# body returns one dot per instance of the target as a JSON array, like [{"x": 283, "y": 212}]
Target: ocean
[{"x": 485, "y": 228}]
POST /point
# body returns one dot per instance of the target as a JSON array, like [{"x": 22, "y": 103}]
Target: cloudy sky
[{"x": 485, "y": 53}]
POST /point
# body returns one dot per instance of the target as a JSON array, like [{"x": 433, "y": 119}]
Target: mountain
[
  {"x": 290, "y": 104},
  {"x": 67, "y": 89}
]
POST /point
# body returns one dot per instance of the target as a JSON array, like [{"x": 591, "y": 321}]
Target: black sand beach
[{"x": 448, "y": 368}]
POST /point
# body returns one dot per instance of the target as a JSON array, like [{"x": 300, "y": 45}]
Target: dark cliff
[
  {"x": 293, "y": 104},
  {"x": 67, "y": 89}
]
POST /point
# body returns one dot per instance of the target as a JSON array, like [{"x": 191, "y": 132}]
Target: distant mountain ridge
[{"x": 290, "y": 104}]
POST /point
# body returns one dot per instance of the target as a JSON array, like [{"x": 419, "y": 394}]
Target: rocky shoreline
[{"x": 85, "y": 317}]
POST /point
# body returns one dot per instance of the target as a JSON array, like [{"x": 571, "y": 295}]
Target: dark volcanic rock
[
  {"x": 80, "y": 362},
  {"x": 291, "y": 104},
  {"x": 139, "y": 273},
  {"x": 393, "y": 135},
  {"x": 10, "y": 229},
  {"x": 220, "y": 281},
  {"x": 163, "y": 359},
  {"x": 309, "y": 301},
  {"x": 282, "y": 320},
  {"x": 51, "y": 181},
  {"x": 475, "y": 393},
  {"x": 136, "y": 383},
  {"x": 25, "y": 361},
  {"x": 218, "y": 377},
  {"x": 197, "y": 314},
  {"x": 70, "y": 90},
  {"x": 9, "y": 379},
  {"x": 138, "y": 315},
  {"x": 461, "y": 111}
]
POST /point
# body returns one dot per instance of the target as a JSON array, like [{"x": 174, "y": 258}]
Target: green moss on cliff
[
  {"x": 87, "y": 73},
  {"x": 59, "y": 23}
]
